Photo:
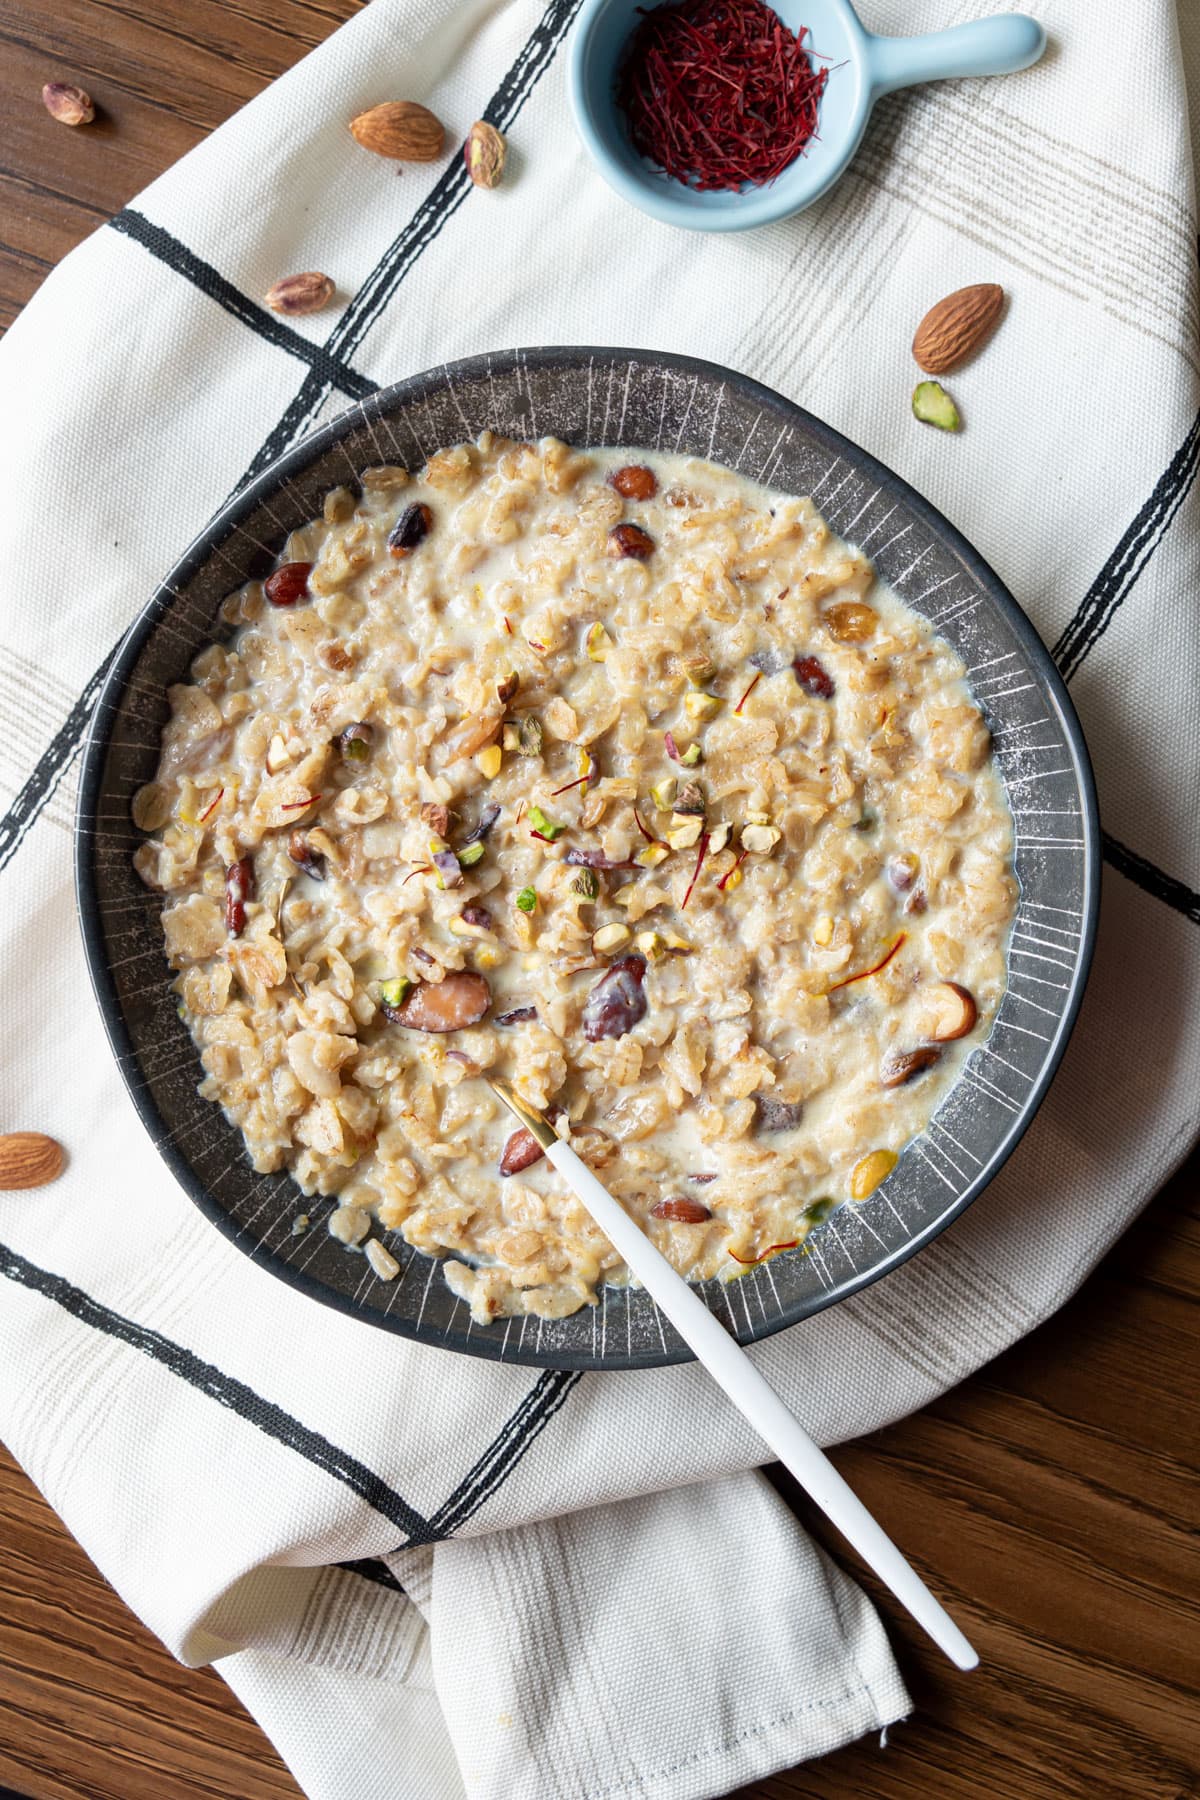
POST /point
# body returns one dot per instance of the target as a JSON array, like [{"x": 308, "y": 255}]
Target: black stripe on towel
[
  {"x": 1118, "y": 577},
  {"x": 439, "y": 205},
  {"x": 371, "y": 1569},
  {"x": 270, "y": 1419},
  {"x": 57, "y": 757},
  {"x": 266, "y": 325},
  {"x": 1163, "y": 887},
  {"x": 545, "y": 1397}
]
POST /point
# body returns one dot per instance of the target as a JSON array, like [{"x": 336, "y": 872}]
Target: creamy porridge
[{"x": 609, "y": 774}]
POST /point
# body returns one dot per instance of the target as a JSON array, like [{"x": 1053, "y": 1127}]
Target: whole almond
[
  {"x": 68, "y": 104},
  {"x": 306, "y": 293},
  {"x": 28, "y": 1159},
  {"x": 400, "y": 129},
  {"x": 956, "y": 327},
  {"x": 484, "y": 153}
]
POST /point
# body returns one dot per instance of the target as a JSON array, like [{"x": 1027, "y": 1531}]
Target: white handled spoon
[{"x": 754, "y": 1398}]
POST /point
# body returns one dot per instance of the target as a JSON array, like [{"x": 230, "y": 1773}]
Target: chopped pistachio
[
  {"x": 663, "y": 793},
  {"x": 719, "y": 838},
  {"x": 395, "y": 992},
  {"x": 681, "y": 945},
  {"x": 488, "y": 761},
  {"x": 624, "y": 895},
  {"x": 761, "y": 839},
  {"x": 610, "y": 937},
  {"x": 685, "y": 831},
  {"x": 690, "y": 799},
  {"x": 818, "y": 1210},
  {"x": 699, "y": 670},
  {"x": 526, "y": 900},
  {"x": 587, "y": 765},
  {"x": 691, "y": 756},
  {"x": 540, "y": 821},
  {"x": 933, "y": 406},
  {"x": 438, "y": 846},
  {"x": 470, "y": 854},
  {"x": 510, "y": 738},
  {"x": 598, "y": 643},
  {"x": 529, "y": 736},
  {"x": 586, "y": 884},
  {"x": 700, "y": 706},
  {"x": 355, "y": 742},
  {"x": 651, "y": 944},
  {"x": 758, "y": 818},
  {"x": 651, "y": 855}
]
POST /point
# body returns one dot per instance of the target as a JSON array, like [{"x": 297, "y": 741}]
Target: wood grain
[{"x": 1051, "y": 1500}]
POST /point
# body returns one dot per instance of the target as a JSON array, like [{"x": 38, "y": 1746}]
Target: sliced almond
[{"x": 948, "y": 1011}]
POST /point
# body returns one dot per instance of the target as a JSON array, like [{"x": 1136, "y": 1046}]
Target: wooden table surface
[{"x": 1050, "y": 1500}]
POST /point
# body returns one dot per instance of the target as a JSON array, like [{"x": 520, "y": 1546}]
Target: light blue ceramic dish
[{"x": 863, "y": 67}]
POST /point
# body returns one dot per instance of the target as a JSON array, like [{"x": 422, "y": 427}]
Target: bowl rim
[{"x": 239, "y": 507}]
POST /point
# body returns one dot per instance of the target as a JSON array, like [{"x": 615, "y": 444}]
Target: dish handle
[{"x": 996, "y": 46}]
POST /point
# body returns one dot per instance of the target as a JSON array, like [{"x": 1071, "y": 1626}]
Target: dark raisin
[
  {"x": 617, "y": 1001},
  {"x": 239, "y": 887},
  {"x": 477, "y": 915},
  {"x": 811, "y": 675},
  {"x": 288, "y": 584},
  {"x": 521, "y": 1152},
  {"x": 634, "y": 482},
  {"x": 411, "y": 528},
  {"x": 305, "y": 857},
  {"x": 630, "y": 540},
  {"x": 902, "y": 1065},
  {"x": 517, "y": 1016},
  {"x": 680, "y": 1210}
]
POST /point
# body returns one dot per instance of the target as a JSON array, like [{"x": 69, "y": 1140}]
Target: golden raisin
[{"x": 850, "y": 621}]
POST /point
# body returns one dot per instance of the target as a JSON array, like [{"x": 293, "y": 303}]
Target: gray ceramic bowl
[{"x": 633, "y": 398}]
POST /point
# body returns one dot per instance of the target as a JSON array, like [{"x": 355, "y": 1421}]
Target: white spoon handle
[{"x": 733, "y": 1370}]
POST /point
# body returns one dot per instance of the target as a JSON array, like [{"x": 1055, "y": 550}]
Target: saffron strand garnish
[
  {"x": 568, "y": 785},
  {"x": 729, "y": 873},
  {"x": 750, "y": 1262},
  {"x": 703, "y": 852},
  {"x": 209, "y": 810},
  {"x": 737, "y": 709},
  {"x": 885, "y": 959},
  {"x": 719, "y": 93}
]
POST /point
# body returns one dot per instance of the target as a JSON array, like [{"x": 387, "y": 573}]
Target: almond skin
[
  {"x": 402, "y": 130},
  {"x": 304, "y": 293},
  {"x": 28, "y": 1159},
  {"x": 68, "y": 104},
  {"x": 957, "y": 326}
]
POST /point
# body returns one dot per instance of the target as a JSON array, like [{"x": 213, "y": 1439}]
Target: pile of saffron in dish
[{"x": 719, "y": 93}]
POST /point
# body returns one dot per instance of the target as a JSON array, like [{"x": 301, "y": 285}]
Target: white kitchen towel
[{"x": 585, "y": 1593}]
